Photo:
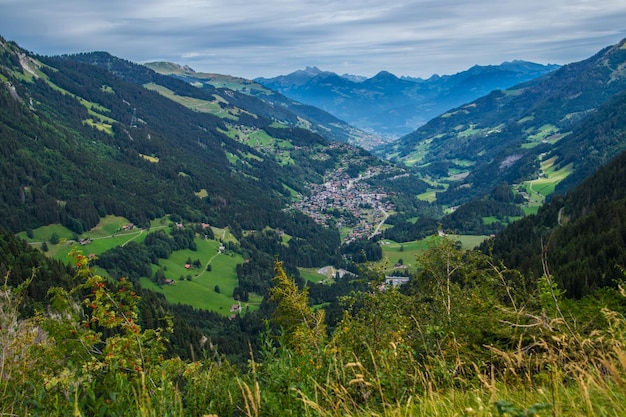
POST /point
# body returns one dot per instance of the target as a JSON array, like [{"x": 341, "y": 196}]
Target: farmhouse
[{"x": 396, "y": 281}]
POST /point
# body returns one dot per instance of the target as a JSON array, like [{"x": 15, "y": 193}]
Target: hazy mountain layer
[{"x": 392, "y": 106}]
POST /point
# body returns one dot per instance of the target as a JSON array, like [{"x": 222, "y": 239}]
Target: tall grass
[
  {"x": 88, "y": 358},
  {"x": 555, "y": 371}
]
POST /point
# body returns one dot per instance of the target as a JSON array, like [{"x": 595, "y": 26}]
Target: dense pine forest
[{"x": 576, "y": 235}]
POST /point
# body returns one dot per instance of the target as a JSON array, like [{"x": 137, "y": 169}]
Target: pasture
[
  {"x": 195, "y": 286},
  {"x": 198, "y": 292},
  {"x": 107, "y": 234},
  {"x": 393, "y": 252},
  {"x": 551, "y": 174}
]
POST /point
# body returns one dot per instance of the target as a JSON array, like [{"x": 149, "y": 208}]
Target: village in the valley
[{"x": 348, "y": 204}]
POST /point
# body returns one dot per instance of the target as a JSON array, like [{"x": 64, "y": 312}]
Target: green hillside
[
  {"x": 281, "y": 108},
  {"x": 502, "y": 136},
  {"x": 466, "y": 337},
  {"x": 579, "y": 238}
]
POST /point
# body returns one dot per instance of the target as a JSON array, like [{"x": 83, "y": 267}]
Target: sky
[{"x": 251, "y": 38}]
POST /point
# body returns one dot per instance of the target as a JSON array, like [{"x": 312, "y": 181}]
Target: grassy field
[
  {"x": 199, "y": 291},
  {"x": 468, "y": 241},
  {"x": 44, "y": 233},
  {"x": 394, "y": 252},
  {"x": 538, "y": 189},
  {"x": 196, "y": 286},
  {"x": 106, "y": 235},
  {"x": 224, "y": 235},
  {"x": 494, "y": 219},
  {"x": 407, "y": 251},
  {"x": 203, "y": 106},
  {"x": 545, "y": 134},
  {"x": 429, "y": 195},
  {"x": 311, "y": 274},
  {"x": 544, "y": 186}
]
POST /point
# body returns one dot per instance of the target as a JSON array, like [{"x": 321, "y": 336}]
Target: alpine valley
[{"x": 184, "y": 243}]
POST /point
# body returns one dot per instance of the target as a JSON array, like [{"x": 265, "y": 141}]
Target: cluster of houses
[{"x": 347, "y": 195}]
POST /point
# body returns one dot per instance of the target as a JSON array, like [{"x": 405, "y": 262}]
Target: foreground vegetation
[{"x": 464, "y": 337}]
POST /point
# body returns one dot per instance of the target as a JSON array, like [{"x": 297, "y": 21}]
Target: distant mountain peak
[
  {"x": 385, "y": 79},
  {"x": 354, "y": 78},
  {"x": 393, "y": 106},
  {"x": 291, "y": 80},
  {"x": 385, "y": 75},
  {"x": 312, "y": 70}
]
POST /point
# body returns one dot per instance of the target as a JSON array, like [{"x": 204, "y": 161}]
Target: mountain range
[
  {"x": 393, "y": 106},
  {"x": 87, "y": 137},
  {"x": 162, "y": 234},
  {"x": 568, "y": 119},
  {"x": 90, "y": 135}
]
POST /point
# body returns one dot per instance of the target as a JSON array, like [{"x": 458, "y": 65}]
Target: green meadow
[
  {"x": 395, "y": 251},
  {"x": 538, "y": 189},
  {"x": 407, "y": 251},
  {"x": 106, "y": 235},
  {"x": 196, "y": 286},
  {"x": 203, "y": 106},
  {"x": 198, "y": 292},
  {"x": 311, "y": 274}
]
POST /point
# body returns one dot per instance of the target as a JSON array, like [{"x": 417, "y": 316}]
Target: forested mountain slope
[
  {"x": 580, "y": 237},
  {"x": 67, "y": 130},
  {"x": 594, "y": 142},
  {"x": 282, "y": 108},
  {"x": 79, "y": 142},
  {"x": 83, "y": 141},
  {"x": 90, "y": 135},
  {"x": 502, "y": 136}
]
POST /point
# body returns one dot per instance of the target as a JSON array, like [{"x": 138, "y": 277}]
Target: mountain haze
[{"x": 392, "y": 106}]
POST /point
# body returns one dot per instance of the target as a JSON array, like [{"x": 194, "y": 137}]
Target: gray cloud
[{"x": 406, "y": 37}]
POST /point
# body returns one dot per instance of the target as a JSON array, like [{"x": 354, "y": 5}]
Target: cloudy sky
[{"x": 251, "y": 38}]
